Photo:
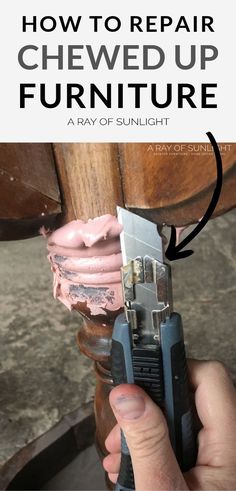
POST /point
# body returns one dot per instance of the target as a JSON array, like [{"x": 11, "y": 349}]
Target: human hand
[{"x": 143, "y": 423}]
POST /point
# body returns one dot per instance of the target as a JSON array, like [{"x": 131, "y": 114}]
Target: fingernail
[{"x": 129, "y": 407}]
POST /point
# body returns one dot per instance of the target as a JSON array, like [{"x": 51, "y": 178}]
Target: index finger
[
  {"x": 113, "y": 441},
  {"x": 215, "y": 396}
]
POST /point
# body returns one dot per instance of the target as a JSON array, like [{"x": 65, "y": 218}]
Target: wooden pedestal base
[{"x": 94, "y": 341}]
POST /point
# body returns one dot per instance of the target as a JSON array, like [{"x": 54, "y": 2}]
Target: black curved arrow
[{"x": 174, "y": 252}]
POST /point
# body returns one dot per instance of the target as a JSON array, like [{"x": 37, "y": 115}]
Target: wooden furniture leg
[{"x": 91, "y": 186}]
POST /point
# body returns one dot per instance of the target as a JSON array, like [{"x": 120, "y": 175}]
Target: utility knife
[{"x": 147, "y": 342}]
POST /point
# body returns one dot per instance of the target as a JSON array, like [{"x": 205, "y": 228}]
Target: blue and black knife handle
[
  {"x": 122, "y": 373},
  {"x": 180, "y": 411},
  {"x": 162, "y": 373}
]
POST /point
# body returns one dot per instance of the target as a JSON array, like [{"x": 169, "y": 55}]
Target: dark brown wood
[
  {"x": 29, "y": 191},
  {"x": 191, "y": 210},
  {"x": 105, "y": 420},
  {"x": 172, "y": 186},
  {"x": 28, "y": 227},
  {"x": 95, "y": 342},
  {"x": 58, "y": 447}
]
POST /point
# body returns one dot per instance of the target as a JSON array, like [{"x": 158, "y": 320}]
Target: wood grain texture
[
  {"x": 172, "y": 186},
  {"x": 191, "y": 210},
  {"x": 90, "y": 179},
  {"x": 28, "y": 181},
  {"x": 166, "y": 186},
  {"x": 29, "y": 191}
]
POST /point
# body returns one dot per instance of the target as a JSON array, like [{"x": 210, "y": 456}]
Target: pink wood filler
[{"x": 86, "y": 259}]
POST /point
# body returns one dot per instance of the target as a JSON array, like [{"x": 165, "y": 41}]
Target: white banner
[{"x": 132, "y": 71}]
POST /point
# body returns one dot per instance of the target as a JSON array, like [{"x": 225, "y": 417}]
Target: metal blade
[{"x": 140, "y": 237}]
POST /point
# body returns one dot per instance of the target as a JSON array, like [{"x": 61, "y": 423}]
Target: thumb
[{"x": 145, "y": 429}]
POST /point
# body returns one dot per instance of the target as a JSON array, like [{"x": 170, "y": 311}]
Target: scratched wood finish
[
  {"x": 29, "y": 191},
  {"x": 90, "y": 180},
  {"x": 175, "y": 187}
]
